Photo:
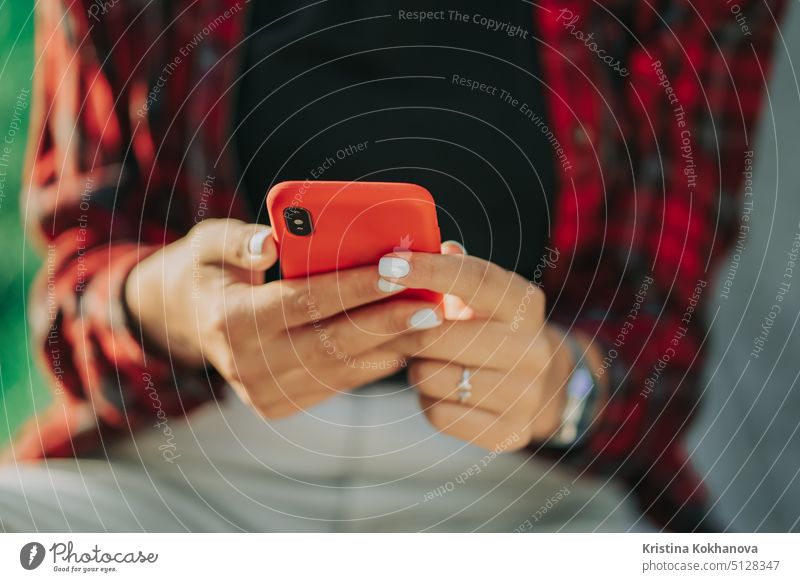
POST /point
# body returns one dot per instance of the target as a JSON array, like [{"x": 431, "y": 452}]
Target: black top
[{"x": 352, "y": 90}]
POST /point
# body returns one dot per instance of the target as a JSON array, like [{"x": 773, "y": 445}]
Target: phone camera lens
[{"x": 298, "y": 221}]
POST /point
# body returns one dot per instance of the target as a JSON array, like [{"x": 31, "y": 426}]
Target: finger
[
  {"x": 484, "y": 286},
  {"x": 495, "y": 391},
  {"x": 233, "y": 243},
  {"x": 480, "y": 344},
  {"x": 317, "y": 384},
  {"x": 291, "y": 303},
  {"x": 365, "y": 369},
  {"x": 476, "y": 426},
  {"x": 280, "y": 404},
  {"x": 454, "y": 307},
  {"x": 359, "y": 330}
]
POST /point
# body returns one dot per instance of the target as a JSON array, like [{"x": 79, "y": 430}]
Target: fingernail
[
  {"x": 394, "y": 267},
  {"x": 457, "y": 244},
  {"x": 388, "y": 286},
  {"x": 256, "y": 244},
  {"x": 425, "y": 319}
]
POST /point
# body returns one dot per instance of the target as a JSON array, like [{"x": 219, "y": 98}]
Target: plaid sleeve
[
  {"x": 86, "y": 205},
  {"x": 686, "y": 112}
]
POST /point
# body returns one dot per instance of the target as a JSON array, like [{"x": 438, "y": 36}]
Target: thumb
[
  {"x": 233, "y": 243},
  {"x": 454, "y": 307}
]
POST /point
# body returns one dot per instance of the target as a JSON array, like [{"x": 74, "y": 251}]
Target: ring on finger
[{"x": 464, "y": 387}]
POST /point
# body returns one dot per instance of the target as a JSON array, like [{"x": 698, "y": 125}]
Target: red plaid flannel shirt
[{"x": 132, "y": 113}]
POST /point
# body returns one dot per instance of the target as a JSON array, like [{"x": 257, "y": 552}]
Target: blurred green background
[{"x": 22, "y": 387}]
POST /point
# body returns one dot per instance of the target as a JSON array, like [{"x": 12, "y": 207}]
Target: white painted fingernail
[
  {"x": 456, "y": 244},
  {"x": 425, "y": 319},
  {"x": 388, "y": 286},
  {"x": 393, "y": 267},
  {"x": 256, "y": 244}
]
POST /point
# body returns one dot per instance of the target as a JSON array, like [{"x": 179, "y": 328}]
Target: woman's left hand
[{"x": 518, "y": 364}]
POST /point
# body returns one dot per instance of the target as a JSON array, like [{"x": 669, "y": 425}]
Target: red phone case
[{"x": 353, "y": 224}]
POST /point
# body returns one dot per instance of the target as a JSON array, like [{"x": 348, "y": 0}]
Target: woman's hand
[
  {"x": 283, "y": 346},
  {"x": 519, "y": 365}
]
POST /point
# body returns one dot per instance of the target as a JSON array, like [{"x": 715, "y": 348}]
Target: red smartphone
[{"x": 321, "y": 227}]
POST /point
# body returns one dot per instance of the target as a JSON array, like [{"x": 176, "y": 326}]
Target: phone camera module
[{"x": 298, "y": 221}]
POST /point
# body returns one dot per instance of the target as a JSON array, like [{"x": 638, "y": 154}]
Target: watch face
[{"x": 580, "y": 383}]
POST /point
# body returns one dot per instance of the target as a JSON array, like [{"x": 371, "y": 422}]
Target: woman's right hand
[{"x": 284, "y": 345}]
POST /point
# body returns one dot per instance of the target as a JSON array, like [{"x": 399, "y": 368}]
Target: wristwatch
[{"x": 581, "y": 396}]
